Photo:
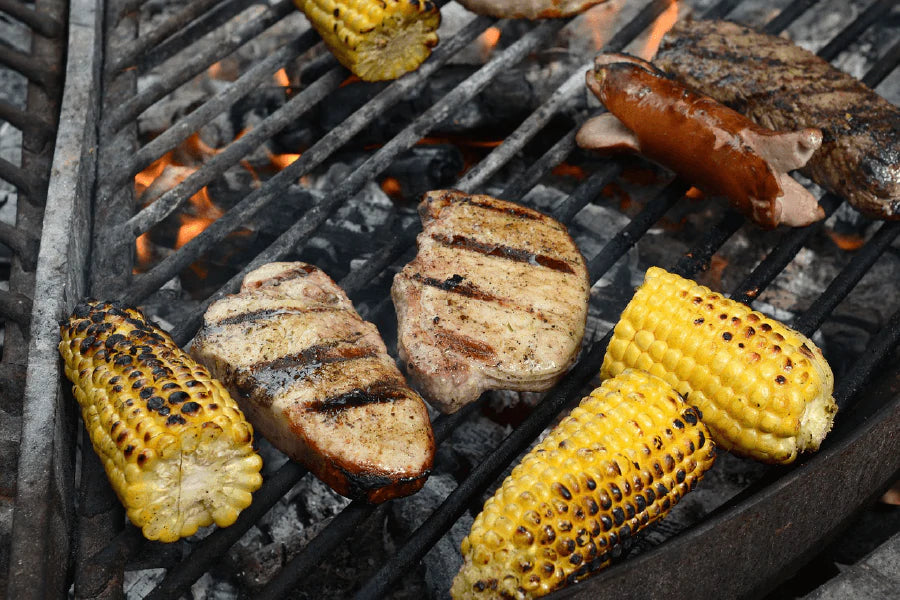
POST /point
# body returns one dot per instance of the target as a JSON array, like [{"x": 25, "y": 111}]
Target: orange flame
[
  {"x": 663, "y": 24},
  {"x": 600, "y": 20},
  {"x": 487, "y": 41},
  {"x": 144, "y": 252},
  {"x": 280, "y": 161},
  {"x": 281, "y": 78}
]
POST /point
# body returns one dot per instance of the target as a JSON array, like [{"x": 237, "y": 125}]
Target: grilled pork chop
[
  {"x": 496, "y": 298},
  {"x": 317, "y": 382},
  {"x": 782, "y": 86}
]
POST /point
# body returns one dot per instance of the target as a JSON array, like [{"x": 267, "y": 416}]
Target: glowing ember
[
  {"x": 567, "y": 170},
  {"x": 663, "y": 23},
  {"x": 487, "y": 41},
  {"x": 281, "y": 78},
  {"x": 694, "y": 194},
  {"x": 215, "y": 71},
  {"x": 280, "y": 161},
  {"x": 391, "y": 187},
  {"x": 846, "y": 242}
]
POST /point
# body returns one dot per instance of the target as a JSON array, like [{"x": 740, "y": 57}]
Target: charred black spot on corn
[
  {"x": 608, "y": 499},
  {"x": 151, "y": 456}
]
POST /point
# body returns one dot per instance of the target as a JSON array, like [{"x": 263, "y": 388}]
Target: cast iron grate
[
  {"x": 775, "y": 499},
  {"x": 35, "y": 51}
]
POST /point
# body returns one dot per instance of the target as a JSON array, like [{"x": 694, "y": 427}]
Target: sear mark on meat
[
  {"x": 496, "y": 298},
  {"x": 317, "y": 382}
]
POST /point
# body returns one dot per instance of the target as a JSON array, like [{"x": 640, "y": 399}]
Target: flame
[
  {"x": 599, "y": 21},
  {"x": 281, "y": 161},
  {"x": 847, "y": 242},
  {"x": 487, "y": 41},
  {"x": 144, "y": 250},
  {"x": 281, "y": 78},
  {"x": 663, "y": 23}
]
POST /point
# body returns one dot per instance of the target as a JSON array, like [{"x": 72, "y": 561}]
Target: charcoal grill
[{"x": 743, "y": 548}]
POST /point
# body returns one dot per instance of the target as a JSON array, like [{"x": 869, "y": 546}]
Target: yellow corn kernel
[
  {"x": 376, "y": 39},
  {"x": 764, "y": 389},
  {"x": 617, "y": 463},
  {"x": 175, "y": 446}
]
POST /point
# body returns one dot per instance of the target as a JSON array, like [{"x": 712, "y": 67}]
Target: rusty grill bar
[{"x": 773, "y": 500}]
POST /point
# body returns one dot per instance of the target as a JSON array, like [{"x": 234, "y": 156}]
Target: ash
[{"x": 383, "y": 208}]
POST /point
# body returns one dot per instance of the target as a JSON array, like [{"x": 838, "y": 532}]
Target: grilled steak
[
  {"x": 317, "y": 382},
  {"x": 782, "y": 86},
  {"x": 496, "y": 298}
]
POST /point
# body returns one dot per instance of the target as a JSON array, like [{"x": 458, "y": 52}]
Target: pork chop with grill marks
[
  {"x": 496, "y": 298},
  {"x": 316, "y": 380}
]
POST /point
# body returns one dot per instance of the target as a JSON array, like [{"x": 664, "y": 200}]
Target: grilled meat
[
  {"x": 317, "y": 382},
  {"x": 708, "y": 144},
  {"x": 529, "y": 9},
  {"x": 496, "y": 298},
  {"x": 782, "y": 86}
]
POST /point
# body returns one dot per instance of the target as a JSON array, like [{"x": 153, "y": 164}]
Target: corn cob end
[
  {"x": 175, "y": 446},
  {"x": 617, "y": 463},
  {"x": 377, "y": 40},
  {"x": 765, "y": 390}
]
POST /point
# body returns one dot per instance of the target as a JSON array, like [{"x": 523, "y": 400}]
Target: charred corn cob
[
  {"x": 176, "y": 448},
  {"x": 764, "y": 389},
  {"x": 618, "y": 462},
  {"x": 376, "y": 39}
]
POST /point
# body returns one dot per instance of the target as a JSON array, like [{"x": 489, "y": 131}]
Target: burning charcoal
[
  {"x": 138, "y": 584},
  {"x": 258, "y": 566},
  {"x": 444, "y": 559},
  {"x": 470, "y": 444},
  {"x": 424, "y": 168},
  {"x": 318, "y": 501},
  {"x": 210, "y": 588}
]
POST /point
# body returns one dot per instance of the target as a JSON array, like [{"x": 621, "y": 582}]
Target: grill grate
[
  {"x": 774, "y": 500},
  {"x": 38, "y": 60}
]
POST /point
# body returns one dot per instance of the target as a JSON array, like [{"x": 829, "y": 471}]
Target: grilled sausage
[
  {"x": 317, "y": 382},
  {"x": 710, "y": 145},
  {"x": 530, "y": 9},
  {"x": 780, "y": 85},
  {"x": 496, "y": 298}
]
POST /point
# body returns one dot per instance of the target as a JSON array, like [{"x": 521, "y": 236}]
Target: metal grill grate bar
[
  {"x": 143, "y": 43},
  {"x": 346, "y": 523},
  {"x": 41, "y": 23},
  {"x": 196, "y": 64},
  {"x": 230, "y": 156},
  {"x": 858, "y": 266},
  {"x": 194, "y": 31},
  {"x": 314, "y": 156}
]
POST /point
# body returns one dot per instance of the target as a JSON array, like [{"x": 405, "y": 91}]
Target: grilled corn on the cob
[
  {"x": 176, "y": 448},
  {"x": 376, "y": 39},
  {"x": 764, "y": 389},
  {"x": 618, "y": 462}
]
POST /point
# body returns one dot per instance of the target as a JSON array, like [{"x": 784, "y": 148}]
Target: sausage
[
  {"x": 530, "y": 9},
  {"x": 711, "y": 146}
]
